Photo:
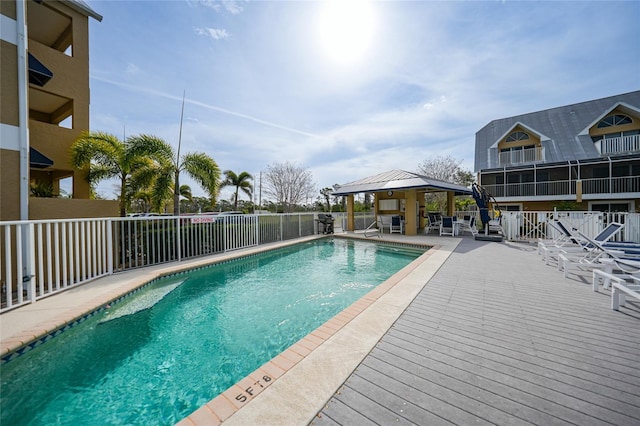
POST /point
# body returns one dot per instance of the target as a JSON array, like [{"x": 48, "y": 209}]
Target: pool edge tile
[
  {"x": 203, "y": 416},
  {"x": 221, "y": 407}
]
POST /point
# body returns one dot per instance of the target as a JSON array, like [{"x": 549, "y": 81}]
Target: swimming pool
[{"x": 205, "y": 331}]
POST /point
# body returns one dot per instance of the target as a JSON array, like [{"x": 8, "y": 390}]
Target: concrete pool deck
[{"x": 473, "y": 302}]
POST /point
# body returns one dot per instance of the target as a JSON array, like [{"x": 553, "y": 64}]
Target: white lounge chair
[
  {"x": 576, "y": 242},
  {"x": 593, "y": 252}
]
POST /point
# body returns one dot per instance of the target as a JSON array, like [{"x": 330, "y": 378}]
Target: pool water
[{"x": 165, "y": 351}]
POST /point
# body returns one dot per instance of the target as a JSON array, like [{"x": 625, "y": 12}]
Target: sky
[{"x": 347, "y": 89}]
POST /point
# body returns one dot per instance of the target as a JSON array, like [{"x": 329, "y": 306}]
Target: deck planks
[{"x": 498, "y": 337}]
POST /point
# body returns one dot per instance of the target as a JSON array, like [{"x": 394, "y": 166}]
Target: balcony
[
  {"x": 617, "y": 185},
  {"x": 620, "y": 145},
  {"x": 521, "y": 156}
]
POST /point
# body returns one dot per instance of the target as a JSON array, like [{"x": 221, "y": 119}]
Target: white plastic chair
[{"x": 447, "y": 226}]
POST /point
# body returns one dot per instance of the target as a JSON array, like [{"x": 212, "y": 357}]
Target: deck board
[{"x": 498, "y": 337}]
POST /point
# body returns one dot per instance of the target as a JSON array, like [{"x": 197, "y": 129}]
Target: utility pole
[{"x": 260, "y": 199}]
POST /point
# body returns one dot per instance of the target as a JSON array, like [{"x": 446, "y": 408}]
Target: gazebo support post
[{"x": 351, "y": 223}]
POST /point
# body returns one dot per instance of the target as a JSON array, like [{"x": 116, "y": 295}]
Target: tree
[
  {"x": 289, "y": 184},
  {"x": 326, "y": 194},
  {"x": 240, "y": 182},
  {"x": 446, "y": 169},
  {"x": 108, "y": 157},
  {"x": 443, "y": 168},
  {"x": 202, "y": 168}
]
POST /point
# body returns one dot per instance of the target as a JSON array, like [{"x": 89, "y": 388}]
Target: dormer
[
  {"x": 520, "y": 144},
  {"x": 616, "y": 131}
]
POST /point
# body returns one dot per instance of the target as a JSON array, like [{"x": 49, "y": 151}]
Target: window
[
  {"x": 518, "y": 148},
  {"x": 611, "y": 207},
  {"x": 614, "y": 120},
  {"x": 517, "y": 136}
]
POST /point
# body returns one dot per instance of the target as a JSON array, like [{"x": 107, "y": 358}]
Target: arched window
[
  {"x": 614, "y": 120},
  {"x": 517, "y": 136}
]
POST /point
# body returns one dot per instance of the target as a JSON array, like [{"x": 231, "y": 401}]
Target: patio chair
[
  {"x": 622, "y": 285},
  {"x": 447, "y": 226},
  {"x": 384, "y": 222},
  {"x": 593, "y": 252},
  {"x": 434, "y": 222},
  {"x": 576, "y": 243},
  {"x": 564, "y": 236},
  {"x": 397, "y": 225},
  {"x": 470, "y": 226}
]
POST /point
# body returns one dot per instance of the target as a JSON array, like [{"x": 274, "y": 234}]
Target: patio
[{"x": 498, "y": 337}]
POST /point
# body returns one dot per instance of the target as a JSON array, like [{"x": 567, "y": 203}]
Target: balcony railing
[
  {"x": 618, "y": 185},
  {"x": 624, "y": 144},
  {"x": 520, "y": 156}
]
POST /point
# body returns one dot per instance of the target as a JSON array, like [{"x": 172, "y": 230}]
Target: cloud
[
  {"x": 154, "y": 92},
  {"x": 211, "y": 4},
  {"x": 132, "y": 69},
  {"x": 231, "y": 6},
  {"x": 214, "y": 33}
]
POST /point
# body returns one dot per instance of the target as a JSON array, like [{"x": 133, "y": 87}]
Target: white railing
[
  {"x": 520, "y": 156},
  {"x": 620, "y": 145},
  {"x": 41, "y": 258},
  {"x": 530, "y": 226},
  {"x": 616, "y": 185}
]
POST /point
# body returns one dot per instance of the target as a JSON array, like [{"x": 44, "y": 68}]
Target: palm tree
[
  {"x": 108, "y": 157},
  {"x": 202, "y": 168},
  {"x": 185, "y": 191},
  {"x": 240, "y": 182}
]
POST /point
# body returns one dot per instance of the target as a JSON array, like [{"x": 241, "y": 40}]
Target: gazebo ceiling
[{"x": 398, "y": 180}]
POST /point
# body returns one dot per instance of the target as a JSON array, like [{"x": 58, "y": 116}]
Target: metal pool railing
[{"x": 41, "y": 258}]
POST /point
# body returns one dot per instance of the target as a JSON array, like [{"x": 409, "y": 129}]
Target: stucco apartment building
[
  {"x": 44, "y": 60},
  {"x": 586, "y": 155}
]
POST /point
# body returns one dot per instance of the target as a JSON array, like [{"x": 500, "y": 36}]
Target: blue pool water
[{"x": 163, "y": 352}]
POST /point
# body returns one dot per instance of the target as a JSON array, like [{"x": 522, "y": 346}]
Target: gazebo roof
[{"x": 398, "y": 180}]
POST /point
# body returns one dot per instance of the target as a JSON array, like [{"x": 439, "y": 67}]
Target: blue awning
[
  {"x": 38, "y": 73},
  {"x": 37, "y": 160}
]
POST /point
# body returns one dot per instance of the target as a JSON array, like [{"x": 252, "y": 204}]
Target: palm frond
[
  {"x": 204, "y": 170},
  {"x": 150, "y": 146}
]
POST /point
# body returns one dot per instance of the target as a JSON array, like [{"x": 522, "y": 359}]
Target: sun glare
[{"x": 345, "y": 29}]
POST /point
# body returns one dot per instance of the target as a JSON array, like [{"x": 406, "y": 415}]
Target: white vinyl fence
[{"x": 41, "y": 258}]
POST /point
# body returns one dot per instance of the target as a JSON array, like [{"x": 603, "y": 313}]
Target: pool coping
[{"x": 285, "y": 375}]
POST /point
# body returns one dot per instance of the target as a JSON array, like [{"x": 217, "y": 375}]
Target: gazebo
[{"x": 398, "y": 192}]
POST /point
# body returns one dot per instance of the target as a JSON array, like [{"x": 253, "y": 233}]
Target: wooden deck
[{"x": 497, "y": 337}]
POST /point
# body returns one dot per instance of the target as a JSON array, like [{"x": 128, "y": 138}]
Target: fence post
[
  {"x": 256, "y": 221},
  {"x": 110, "y": 246},
  {"x": 178, "y": 239},
  {"x": 20, "y": 269},
  {"x": 31, "y": 261},
  {"x": 281, "y": 228}
]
